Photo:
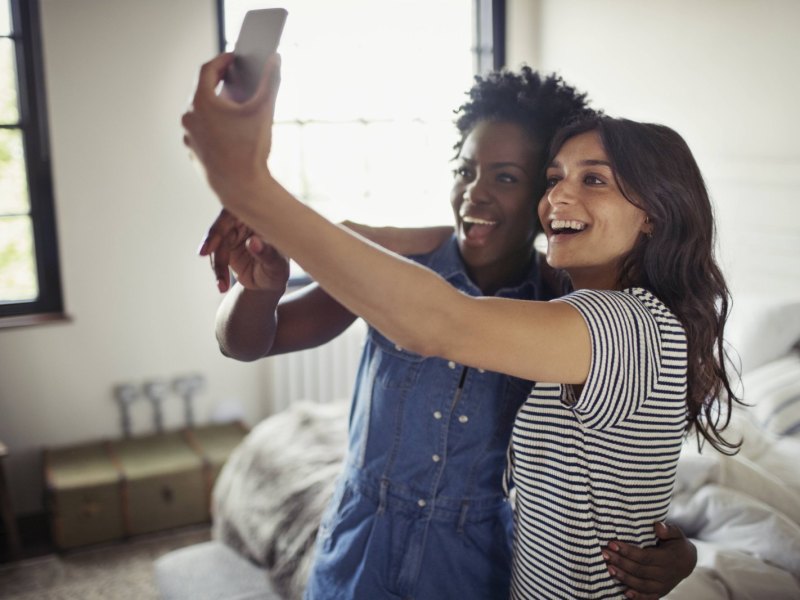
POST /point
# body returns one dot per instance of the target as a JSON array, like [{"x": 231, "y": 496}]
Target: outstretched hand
[
  {"x": 650, "y": 573},
  {"x": 231, "y": 141},
  {"x": 257, "y": 265}
]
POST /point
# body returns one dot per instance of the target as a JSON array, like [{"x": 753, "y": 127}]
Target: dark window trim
[
  {"x": 490, "y": 35},
  {"x": 49, "y": 306}
]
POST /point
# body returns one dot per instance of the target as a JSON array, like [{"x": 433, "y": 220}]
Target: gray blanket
[{"x": 269, "y": 497}]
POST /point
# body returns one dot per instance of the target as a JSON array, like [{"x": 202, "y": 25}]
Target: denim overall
[{"x": 419, "y": 510}]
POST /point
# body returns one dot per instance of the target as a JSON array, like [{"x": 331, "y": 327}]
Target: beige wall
[
  {"x": 131, "y": 212},
  {"x": 723, "y": 73}
]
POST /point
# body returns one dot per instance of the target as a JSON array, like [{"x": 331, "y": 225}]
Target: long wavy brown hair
[{"x": 656, "y": 171}]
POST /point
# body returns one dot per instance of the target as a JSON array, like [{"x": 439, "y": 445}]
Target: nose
[
  {"x": 560, "y": 193},
  {"x": 476, "y": 191}
]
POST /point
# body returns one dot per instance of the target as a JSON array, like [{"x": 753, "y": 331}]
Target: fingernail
[
  {"x": 203, "y": 247},
  {"x": 221, "y": 285},
  {"x": 614, "y": 547},
  {"x": 605, "y": 554},
  {"x": 612, "y": 571}
]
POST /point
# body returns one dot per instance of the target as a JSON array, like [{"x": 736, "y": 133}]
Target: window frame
[
  {"x": 33, "y": 125},
  {"x": 489, "y": 39}
]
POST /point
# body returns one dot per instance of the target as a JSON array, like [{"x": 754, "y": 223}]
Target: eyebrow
[
  {"x": 494, "y": 165},
  {"x": 589, "y": 162}
]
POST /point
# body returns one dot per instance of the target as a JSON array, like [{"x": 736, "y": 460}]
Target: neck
[
  {"x": 506, "y": 272},
  {"x": 592, "y": 280}
]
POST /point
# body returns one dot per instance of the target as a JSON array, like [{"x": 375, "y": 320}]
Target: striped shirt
[{"x": 599, "y": 465}]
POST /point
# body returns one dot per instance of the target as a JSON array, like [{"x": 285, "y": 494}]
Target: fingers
[
  {"x": 631, "y": 555},
  {"x": 217, "y": 232},
  {"x": 255, "y": 246},
  {"x": 262, "y": 251},
  {"x": 633, "y": 575},
  {"x": 211, "y": 73},
  {"x": 665, "y": 531},
  {"x": 624, "y": 561},
  {"x": 217, "y": 244},
  {"x": 220, "y": 260}
]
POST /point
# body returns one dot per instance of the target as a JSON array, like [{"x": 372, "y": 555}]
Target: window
[
  {"x": 30, "y": 288},
  {"x": 364, "y": 121}
]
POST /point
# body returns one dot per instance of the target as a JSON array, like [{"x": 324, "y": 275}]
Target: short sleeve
[{"x": 626, "y": 351}]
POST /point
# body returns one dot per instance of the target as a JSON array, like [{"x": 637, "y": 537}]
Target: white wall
[
  {"x": 724, "y": 74},
  {"x": 131, "y": 212}
]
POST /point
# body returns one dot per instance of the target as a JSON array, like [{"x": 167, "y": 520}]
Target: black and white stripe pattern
[{"x": 599, "y": 465}]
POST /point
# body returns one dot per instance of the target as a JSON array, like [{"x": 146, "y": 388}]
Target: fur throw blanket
[{"x": 269, "y": 498}]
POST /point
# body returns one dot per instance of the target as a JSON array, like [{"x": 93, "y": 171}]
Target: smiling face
[
  {"x": 590, "y": 225},
  {"x": 493, "y": 199}
]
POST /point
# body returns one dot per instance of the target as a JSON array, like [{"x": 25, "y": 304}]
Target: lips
[
  {"x": 562, "y": 229},
  {"x": 477, "y": 229}
]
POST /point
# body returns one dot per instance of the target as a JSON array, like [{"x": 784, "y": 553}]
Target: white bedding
[{"x": 743, "y": 514}]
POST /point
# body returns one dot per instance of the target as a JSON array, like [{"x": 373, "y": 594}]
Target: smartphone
[{"x": 258, "y": 40}]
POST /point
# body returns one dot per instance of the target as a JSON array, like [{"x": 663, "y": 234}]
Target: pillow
[
  {"x": 773, "y": 390},
  {"x": 762, "y": 328}
]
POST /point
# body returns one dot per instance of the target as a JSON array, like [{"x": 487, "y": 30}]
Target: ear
[{"x": 647, "y": 227}]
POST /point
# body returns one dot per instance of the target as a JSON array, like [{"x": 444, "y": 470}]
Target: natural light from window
[
  {"x": 364, "y": 120},
  {"x": 18, "y": 280}
]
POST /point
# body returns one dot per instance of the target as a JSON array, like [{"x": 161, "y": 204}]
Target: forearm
[
  {"x": 390, "y": 292},
  {"x": 246, "y": 323},
  {"x": 407, "y": 241}
]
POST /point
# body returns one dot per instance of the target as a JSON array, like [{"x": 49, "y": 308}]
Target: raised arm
[{"x": 411, "y": 305}]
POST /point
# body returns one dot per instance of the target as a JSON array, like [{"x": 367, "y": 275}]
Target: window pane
[
  {"x": 333, "y": 172},
  {"x": 17, "y": 263},
  {"x": 408, "y": 177},
  {"x": 364, "y": 117},
  {"x": 5, "y": 18},
  {"x": 9, "y": 113},
  {"x": 13, "y": 181},
  {"x": 356, "y": 59}
]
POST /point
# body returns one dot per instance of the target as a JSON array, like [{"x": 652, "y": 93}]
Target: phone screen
[{"x": 258, "y": 40}]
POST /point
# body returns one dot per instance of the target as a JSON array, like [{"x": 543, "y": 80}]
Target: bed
[{"x": 742, "y": 512}]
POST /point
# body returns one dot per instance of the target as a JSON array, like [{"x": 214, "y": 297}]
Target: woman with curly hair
[{"x": 419, "y": 510}]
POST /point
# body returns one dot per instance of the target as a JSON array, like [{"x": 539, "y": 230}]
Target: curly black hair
[{"x": 540, "y": 105}]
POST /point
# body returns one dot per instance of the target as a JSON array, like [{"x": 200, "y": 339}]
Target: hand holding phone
[{"x": 258, "y": 40}]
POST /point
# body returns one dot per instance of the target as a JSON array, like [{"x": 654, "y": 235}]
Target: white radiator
[{"x": 324, "y": 374}]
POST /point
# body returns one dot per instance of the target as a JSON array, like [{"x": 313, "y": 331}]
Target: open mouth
[
  {"x": 476, "y": 228},
  {"x": 566, "y": 227}
]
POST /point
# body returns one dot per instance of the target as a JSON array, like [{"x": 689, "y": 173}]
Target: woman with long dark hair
[{"x": 633, "y": 353}]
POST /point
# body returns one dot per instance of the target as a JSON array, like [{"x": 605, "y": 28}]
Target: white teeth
[
  {"x": 477, "y": 221},
  {"x": 560, "y": 224}
]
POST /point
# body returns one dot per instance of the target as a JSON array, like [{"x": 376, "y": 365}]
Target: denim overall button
[
  {"x": 463, "y": 419},
  {"x": 437, "y": 414},
  {"x": 451, "y": 364},
  {"x": 421, "y": 503},
  {"x": 436, "y": 458}
]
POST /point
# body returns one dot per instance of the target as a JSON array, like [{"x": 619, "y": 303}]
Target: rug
[{"x": 117, "y": 571}]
